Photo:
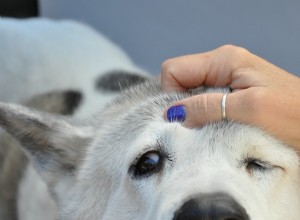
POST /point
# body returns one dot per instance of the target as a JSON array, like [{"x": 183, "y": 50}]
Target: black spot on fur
[
  {"x": 72, "y": 100},
  {"x": 63, "y": 102},
  {"x": 118, "y": 80}
]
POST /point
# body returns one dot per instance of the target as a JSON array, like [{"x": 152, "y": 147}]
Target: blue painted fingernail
[{"x": 176, "y": 113}]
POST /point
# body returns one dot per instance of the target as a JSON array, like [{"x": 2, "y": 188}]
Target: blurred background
[{"x": 152, "y": 31}]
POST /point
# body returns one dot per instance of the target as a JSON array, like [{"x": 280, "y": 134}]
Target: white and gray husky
[{"x": 127, "y": 162}]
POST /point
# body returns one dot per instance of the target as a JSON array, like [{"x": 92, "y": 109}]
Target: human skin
[{"x": 263, "y": 94}]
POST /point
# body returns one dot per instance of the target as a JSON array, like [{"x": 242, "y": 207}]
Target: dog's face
[{"x": 129, "y": 163}]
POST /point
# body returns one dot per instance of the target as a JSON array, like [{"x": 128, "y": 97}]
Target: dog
[
  {"x": 127, "y": 162},
  {"x": 124, "y": 161}
]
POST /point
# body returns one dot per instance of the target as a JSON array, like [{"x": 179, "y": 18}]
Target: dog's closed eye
[
  {"x": 256, "y": 165},
  {"x": 147, "y": 164}
]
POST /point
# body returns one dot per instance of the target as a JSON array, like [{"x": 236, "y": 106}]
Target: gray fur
[
  {"x": 12, "y": 164},
  {"x": 118, "y": 80},
  {"x": 61, "y": 102},
  {"x": 13, "y": 160}
]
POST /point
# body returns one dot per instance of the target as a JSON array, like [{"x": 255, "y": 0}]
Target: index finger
[{"x": 213, "y": 68}]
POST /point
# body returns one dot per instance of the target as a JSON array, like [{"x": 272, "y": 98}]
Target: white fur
[
  {"x": 40, "y": 55},
  {"x": 273, "y": 196},
  {"x": 40, "y": 202}
]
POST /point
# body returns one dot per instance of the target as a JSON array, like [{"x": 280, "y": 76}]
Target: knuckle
[
  {"x": 236, "y": 56},
  {"x": 202, "y": 106},
  {"x": 233, "y": 49},
  {"x": 168, "y": 74},
  {"x": 228, "y": 47},
  {"x": 168, "y": 67},
  {"x": 205, "y": 109}
]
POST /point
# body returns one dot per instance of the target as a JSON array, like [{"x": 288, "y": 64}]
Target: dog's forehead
[
  {"x": 146, "y": 101},
  {"x": 138, "y": 114},
  {"x": 136, "y": 107}
]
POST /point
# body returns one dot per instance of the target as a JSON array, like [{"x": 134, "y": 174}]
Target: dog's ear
[
  {"x": 64, "y": 102},
  {"x": 54, "y": 144}
]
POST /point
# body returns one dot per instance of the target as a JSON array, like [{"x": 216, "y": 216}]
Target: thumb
[{"x": 201, "y": 109}]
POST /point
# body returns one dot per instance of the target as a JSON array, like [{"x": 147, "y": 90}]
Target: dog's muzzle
[{"x": 217, "y": 206}]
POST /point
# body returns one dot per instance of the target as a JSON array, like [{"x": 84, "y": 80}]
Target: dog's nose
[{"x": 217, "y": 206}]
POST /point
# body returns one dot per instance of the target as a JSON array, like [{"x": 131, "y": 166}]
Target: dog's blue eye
[{"x": 148, "y": 163}]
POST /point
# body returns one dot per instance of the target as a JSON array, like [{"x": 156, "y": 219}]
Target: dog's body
[
  {"x": 40, "y": 55},
  {"x": 127, "y": 162}
]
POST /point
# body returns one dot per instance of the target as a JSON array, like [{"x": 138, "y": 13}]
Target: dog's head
[{"x": 129, "y": 163}]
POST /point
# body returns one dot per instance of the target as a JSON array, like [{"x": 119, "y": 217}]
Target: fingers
[
  {"x": 214, "y": 68},
  {"x": 199, "y": 110}
]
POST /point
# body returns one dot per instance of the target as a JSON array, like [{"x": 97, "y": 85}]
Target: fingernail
[{"x": 176, "y": 113}]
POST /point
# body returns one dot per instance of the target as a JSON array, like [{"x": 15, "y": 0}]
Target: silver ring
[{"x": 223, "y": 106}]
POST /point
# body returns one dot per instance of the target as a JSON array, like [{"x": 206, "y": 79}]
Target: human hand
[{"x": 262, "y": 94}]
